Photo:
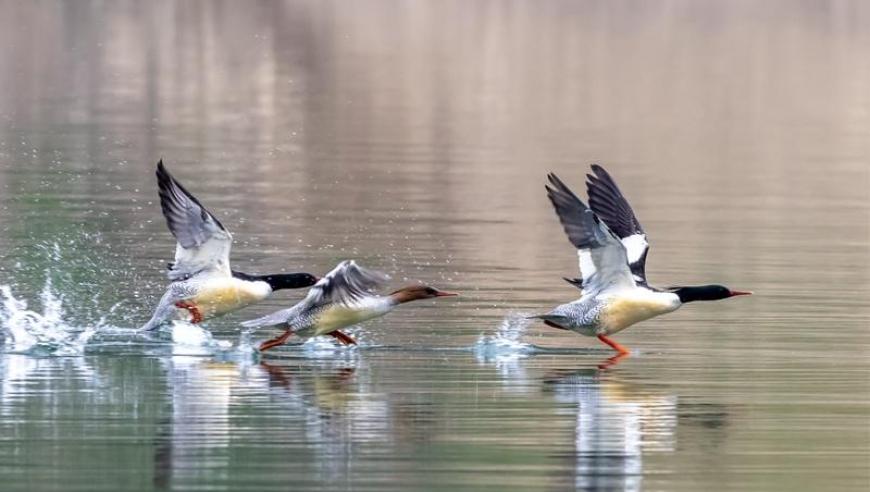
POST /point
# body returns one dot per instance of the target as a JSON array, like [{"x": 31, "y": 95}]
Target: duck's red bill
[{"x": 441, "y": 293}]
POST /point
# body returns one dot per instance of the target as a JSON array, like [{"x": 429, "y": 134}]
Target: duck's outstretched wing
[
  {"x": 610, "y": 205},
  {"x": 345, "y": 284},
  {"x": 602, "y": 256},
  {"x": 203, "y": 242}
]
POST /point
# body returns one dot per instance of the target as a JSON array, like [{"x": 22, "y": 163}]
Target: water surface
[{"x": 415, "y": 137}]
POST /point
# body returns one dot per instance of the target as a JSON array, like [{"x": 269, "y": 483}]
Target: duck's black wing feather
[
  {"x": 601, "y": 255},
  {"x": 203, "y": 242},
  {"x": 608, "y": 203}
]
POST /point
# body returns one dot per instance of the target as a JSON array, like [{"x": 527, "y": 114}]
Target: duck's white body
[
  {"x": 607, "y": 313},
  {"x": 342, "y": 298},
  {"x": 203, "y": 285},
  {"x": 612, "y": 249},
  {"x": 337, "y": 316},
  {"x": 208, "y": 296},
  {"x": 624, "y": 309},
  {"x": 218, "y": 296}
]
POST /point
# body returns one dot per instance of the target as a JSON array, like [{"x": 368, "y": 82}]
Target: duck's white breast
[
  {"x": 221, "y": 296},
  {"x": 338, "y": 316},
  {"x": 627, "y": 308}
]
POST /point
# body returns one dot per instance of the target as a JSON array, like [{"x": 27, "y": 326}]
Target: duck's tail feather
[
  {"x": 576, "y": 282},
  {"x": 151, "y": 325},
  {"x": 163, "y": 312},
  {"x": 554, "y": 320}
]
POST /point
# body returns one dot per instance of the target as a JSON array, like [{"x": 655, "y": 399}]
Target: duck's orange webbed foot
[
  {"x": 195, "y": 314},
  {"x": 344, "y": 338},
  {"x": 619, "y": 348},
  {"x": 275, "y": 341}
]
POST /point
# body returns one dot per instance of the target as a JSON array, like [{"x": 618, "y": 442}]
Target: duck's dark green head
[
  {"x": 706, "y": 293},
  {"x": 290, "y": 280}
]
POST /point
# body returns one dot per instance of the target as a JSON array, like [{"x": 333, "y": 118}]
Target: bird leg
[
  {"x": 612, "y": 361},
  {"x": 277, "y": 375},
  {"x": 274, "y": 342},
  {"x": 195, "y": 314},
  {"x": 344, "y": 338},
  {"x": 619, "y": 348}
]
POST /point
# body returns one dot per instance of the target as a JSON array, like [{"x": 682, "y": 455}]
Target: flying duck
[
  {"x": 612, "y": 247},
  {"x": 343, "y": 297},
  {"x": 203, "y": 285}
]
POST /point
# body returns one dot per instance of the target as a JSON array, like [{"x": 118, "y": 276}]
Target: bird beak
[
  {"x": 441, "y": 293},
  {"x": 741, "y": 293}
]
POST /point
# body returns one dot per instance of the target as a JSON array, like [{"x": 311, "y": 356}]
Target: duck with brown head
[
  {"x": 417, "y": 292},
  {"x": 343, "y": 297}
]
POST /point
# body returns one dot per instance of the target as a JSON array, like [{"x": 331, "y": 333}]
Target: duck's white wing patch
[
  {"x": 602, "y": 257},
  {"x": 203, "y": 242},
  {"x": 587, "y": 266},
  {"x": 591, "y": 262},
  {"x": 609, "y": 204},
  {"x": 635, "y": 247}
]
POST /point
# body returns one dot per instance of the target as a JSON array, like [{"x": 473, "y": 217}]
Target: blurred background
[{"x": 415, "y": 137}]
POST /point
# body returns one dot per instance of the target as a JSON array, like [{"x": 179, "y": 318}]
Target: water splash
[
  {"x": 245, "y": 347},
  {"x": 181, "y": 338},
  {"x": 321, "y": 347},
  {"x": 505, "y": 345},
  {"x": 47, "y": 332}
]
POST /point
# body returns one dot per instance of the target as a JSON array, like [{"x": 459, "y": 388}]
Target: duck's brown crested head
[{"x": 416, "y": 292}]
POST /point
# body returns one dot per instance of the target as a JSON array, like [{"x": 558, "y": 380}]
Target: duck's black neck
[{"x": 280, "y": 281}]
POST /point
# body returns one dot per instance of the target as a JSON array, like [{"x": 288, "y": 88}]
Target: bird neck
[{"x": 278, "y": 281}]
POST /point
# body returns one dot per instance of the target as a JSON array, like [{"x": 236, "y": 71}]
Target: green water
[{"x": 415, "y": 138}]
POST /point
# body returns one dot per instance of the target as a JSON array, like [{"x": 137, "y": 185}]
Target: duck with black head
[
  {"x": 203, "y": 285},
  {"x": 612, "y": 248}
]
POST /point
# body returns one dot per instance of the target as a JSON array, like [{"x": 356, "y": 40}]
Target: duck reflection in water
[
  {"x": 615, "y": 423},
  {"x": 340, "y": 412},
  {"x": 204, "y": 392},
  {"x": 196, "y": 434},
  {"x": 345, "y": 416},
  {"x": 327, "y": 392}
]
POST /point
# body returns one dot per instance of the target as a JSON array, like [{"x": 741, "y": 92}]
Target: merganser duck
[
  {"x": 612, "y": 247},
  {"x": 203, "y": 285},
  {"x": 343, "y": 297}
]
